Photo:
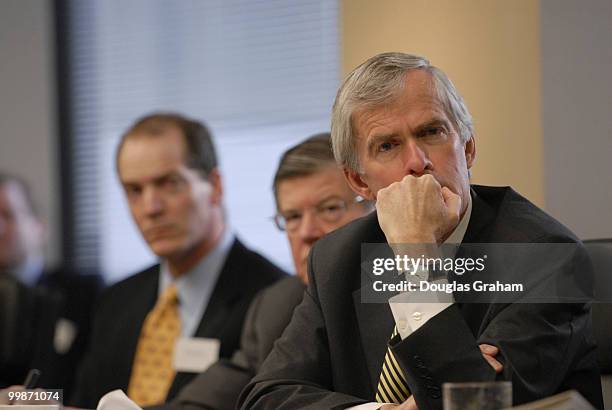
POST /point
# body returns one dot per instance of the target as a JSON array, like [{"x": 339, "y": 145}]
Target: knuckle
[{"x": 409, "y": 181}]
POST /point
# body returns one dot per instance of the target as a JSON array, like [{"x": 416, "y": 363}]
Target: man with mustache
[
  {"x": 202, "y": 287},
  {"x": 405, "y": 138}
]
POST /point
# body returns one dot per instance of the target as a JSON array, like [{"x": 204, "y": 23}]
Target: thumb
[{"x": 452, "y": 201}]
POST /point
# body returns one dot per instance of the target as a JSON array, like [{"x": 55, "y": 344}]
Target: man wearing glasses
[{"x": 312, "y": 199}]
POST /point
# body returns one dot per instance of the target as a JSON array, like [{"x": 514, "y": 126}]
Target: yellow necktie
[
  {"x": 152, "y": 371},
  {"x": 392, "y": 385}
]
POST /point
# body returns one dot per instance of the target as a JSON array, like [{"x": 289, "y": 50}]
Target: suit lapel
[
  {"x": 137, "y": 313},
  {"x": 223, "y": 297},
  {"x": 375, "y": 320},
  {"x": 483, "y": 216},
  {"x": 375, "y": 327}
]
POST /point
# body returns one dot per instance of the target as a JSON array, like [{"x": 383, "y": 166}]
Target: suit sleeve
[
  {"x": 297, "y": 373},
  {"x": 85, "y": 391},
  {"x": 296, "y": 377},
  {"x": 219, "y": 386},
  {"x": 545, "y": 348},
  {"x": 103, "y": 367},
  {"x": 538, "y": 345}
]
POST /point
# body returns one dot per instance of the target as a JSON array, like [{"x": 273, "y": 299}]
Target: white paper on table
[{"x": 116, "y": 400}]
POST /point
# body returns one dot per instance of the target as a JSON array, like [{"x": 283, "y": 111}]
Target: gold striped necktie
[
  {"x": 152, "y": 371},
  {"x": 392, "y": 385}
]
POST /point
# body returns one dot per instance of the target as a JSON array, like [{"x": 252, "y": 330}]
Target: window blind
[{"x": 261, "y": 74}]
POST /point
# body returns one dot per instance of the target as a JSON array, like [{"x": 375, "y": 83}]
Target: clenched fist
[{"x": 417, "y": 210}]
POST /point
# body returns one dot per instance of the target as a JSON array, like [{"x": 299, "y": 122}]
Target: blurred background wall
[
  {"x": 28, "y": 122},
  {"x": 535, "y": 75},
  {"x": 576, "y": 40},
  {"x": 490, "y": 50}
]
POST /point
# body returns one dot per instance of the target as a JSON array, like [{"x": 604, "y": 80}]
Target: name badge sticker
[{"x": 195, "y": 354}]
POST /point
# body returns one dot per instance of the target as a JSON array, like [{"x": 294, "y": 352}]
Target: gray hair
[{"x": 377, "y": 82}]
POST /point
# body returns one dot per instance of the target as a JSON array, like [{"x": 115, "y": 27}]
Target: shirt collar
[
  {"x": 195, "y": 286},
  {"x": 30, "y": 270}
]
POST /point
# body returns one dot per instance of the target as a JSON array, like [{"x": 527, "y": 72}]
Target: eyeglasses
[{"x": 329, "y": 211}]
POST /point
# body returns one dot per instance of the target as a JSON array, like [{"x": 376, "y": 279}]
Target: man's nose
[
  {"x": 310, "y": 229},
  {"x": 416, "y": 158},
  {"x": 153, "y": 202}
]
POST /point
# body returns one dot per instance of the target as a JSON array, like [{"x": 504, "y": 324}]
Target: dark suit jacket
[
  {"x": 28, "y": 336},
  {"x": 78, "y": 294},
  {"x": 27, "y": 324},
  {"x": 331, "y": 353},
  {"x": 124, "y": 307},
  {"x": 219, "y": 386}
]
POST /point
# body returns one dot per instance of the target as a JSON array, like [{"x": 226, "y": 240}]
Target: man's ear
[
  {"x": 470, "y": 151},
  {"x": 38, "y": 233},
  {"x": 358, "y": 185},
  {"x": 214, "y": 177}
]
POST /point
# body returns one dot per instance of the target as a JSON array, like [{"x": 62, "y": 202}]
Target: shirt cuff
[
  {"x": 411, "y": 316},
  {"x": 367, "y": 406}
]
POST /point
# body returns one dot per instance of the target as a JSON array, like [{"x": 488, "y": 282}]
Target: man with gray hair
[{"x": 405, "y": 139}]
